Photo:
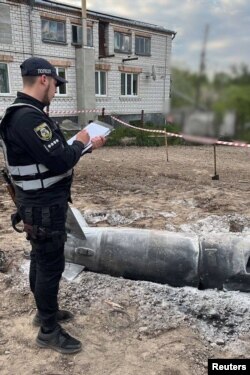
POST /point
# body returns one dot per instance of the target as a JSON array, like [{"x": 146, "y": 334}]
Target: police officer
[{"x": 40, "y": 163}]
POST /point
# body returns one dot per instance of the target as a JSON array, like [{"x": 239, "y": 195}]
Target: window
[
  {"x": 90, "y": 36},
  {"x": 123, "y": 42},
  {"x": 5, "y": 24},
  {"x": 129, "y": 84},
  {"x": 53, "y": 31},
  {"x": 101, "y": 83},
  {"x": 77, "y": 35},
  {"x": 142, "y": 45},
  {"x": 4, "y": 79},
  {"x": 62, "y": 89}
]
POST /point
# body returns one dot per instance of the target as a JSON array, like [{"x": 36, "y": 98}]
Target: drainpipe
[
  {"x": 31, "y": 5},
  {"x": 164, "y": 82},
  {"x": 85, "y": 74}
]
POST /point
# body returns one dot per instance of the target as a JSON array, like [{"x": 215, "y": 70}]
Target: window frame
[
  {"x": 131, "y": 83},
  {"x": 92, "y": 42},
  {"x": 143, "y": 53},
  {"x": 8, "y": 76},
  {"x": 58, "y": 94},
  {"x": 99, "y": 83},
  {"x": 79, "y": 33},
  {"x": 46, "y": 40},
  {"x": 119, "y": 50}
]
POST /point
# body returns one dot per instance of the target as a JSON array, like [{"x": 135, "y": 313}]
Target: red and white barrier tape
[
  {"x": 187, "y": 137},
  {"x": 75, "y": 112}
]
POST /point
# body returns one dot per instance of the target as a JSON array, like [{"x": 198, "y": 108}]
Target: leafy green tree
[{"x": 235, "y": 97}]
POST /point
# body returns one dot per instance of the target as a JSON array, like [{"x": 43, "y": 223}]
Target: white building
[{"x": 131, "y": 59}]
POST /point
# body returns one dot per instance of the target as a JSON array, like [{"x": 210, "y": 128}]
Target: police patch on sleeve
[{"x": 44, "y": 132}]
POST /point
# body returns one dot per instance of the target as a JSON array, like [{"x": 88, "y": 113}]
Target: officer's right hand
[{"x": 83, "y": 136}]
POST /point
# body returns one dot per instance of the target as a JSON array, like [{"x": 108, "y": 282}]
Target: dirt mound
[{"x": 126, "y": 326}]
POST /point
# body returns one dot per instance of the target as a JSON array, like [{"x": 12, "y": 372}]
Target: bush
[{"x": 125, "y": 135}]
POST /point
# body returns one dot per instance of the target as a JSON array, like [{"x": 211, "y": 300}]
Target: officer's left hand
[{"x": 98, "y": 142}]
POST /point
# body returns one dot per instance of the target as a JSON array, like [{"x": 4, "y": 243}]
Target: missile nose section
[{"x": 225, "y": 262}]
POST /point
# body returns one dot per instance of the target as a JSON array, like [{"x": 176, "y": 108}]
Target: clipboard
[{"x": 95, "y": 129}]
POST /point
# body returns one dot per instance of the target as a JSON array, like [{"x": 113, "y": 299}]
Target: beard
[{"x": 46, "y": 101}]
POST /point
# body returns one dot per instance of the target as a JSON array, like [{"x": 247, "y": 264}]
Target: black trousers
[{"x": 47, "y": 240}]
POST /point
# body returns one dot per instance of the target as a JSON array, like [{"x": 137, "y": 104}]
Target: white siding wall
[
  {"x": 151, "y": 93},
  {"x": 20, "y": 45}
]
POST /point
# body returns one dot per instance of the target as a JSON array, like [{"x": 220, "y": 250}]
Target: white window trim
[
  {"x": 8, "y": 70},
  {"x": 130, "y": 95},
  {"x": 99, "y": 84},
  {"x": 58, "y": 95}
]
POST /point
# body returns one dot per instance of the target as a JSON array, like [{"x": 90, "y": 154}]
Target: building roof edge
[{"x": 105, "y": 16}]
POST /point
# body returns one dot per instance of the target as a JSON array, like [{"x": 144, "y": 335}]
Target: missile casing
[
  {"x": 178, "y": 259},
  {"x": 225, "y": 261},
  {"x": 158, "y": 256}
]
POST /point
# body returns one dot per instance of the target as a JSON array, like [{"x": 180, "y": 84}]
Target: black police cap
[{"x": 37, "y": 66}]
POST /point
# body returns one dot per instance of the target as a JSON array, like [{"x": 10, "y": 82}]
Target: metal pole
[
  {"x": 31, "y": 5},
  {"x": 166, "y": 143},
  {"x": 216, "y": 176},
  {"x": 84, "y": 43},
  {"x": 202, "y": 67}
]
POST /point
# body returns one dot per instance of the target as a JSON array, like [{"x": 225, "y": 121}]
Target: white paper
[{"x": 94, "y": 129}]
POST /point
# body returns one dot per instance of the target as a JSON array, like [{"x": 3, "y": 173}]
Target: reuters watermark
[{"x": 229, "y": 366}]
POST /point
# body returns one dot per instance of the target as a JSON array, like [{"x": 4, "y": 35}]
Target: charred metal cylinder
[
  {"x": 137, "y": 254},
  {"x": 178, "y": 259},
  {"x": 225, "y": 262}
]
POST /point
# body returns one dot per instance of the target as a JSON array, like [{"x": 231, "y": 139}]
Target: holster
[
  {"x": 15, "y": 219},
  {"x": 38, "y": 233}
]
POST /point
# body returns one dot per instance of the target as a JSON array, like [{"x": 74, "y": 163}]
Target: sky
[{"x": 228, "y": 39}]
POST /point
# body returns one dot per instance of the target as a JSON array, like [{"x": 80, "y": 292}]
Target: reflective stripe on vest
[
  {"x": 39, "y": 184},
  {"x": 24, "y": 170}
]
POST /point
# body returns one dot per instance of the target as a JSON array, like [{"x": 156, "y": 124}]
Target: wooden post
[
  {"x": 166, "y": 143},
  {"x": 216, "y": 176},
  {"x": 142, "y": 118}
]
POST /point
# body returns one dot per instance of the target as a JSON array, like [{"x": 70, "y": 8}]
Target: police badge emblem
[{"x": 44, "y": 132}]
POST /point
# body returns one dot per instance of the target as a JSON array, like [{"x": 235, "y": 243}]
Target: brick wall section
[{"x": 153, "y": 96}]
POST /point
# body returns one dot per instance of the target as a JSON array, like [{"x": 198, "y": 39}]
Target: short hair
[{"x": 29, "y": 80}]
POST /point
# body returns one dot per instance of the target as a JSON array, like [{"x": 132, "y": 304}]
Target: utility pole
[
  {"x": 85, "y": 74},
  {"x": 202, "y": 67},
  {"x": 84, "y": 23}
]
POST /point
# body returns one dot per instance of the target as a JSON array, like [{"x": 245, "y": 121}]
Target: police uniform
[{"x": 40, "y": 164}]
